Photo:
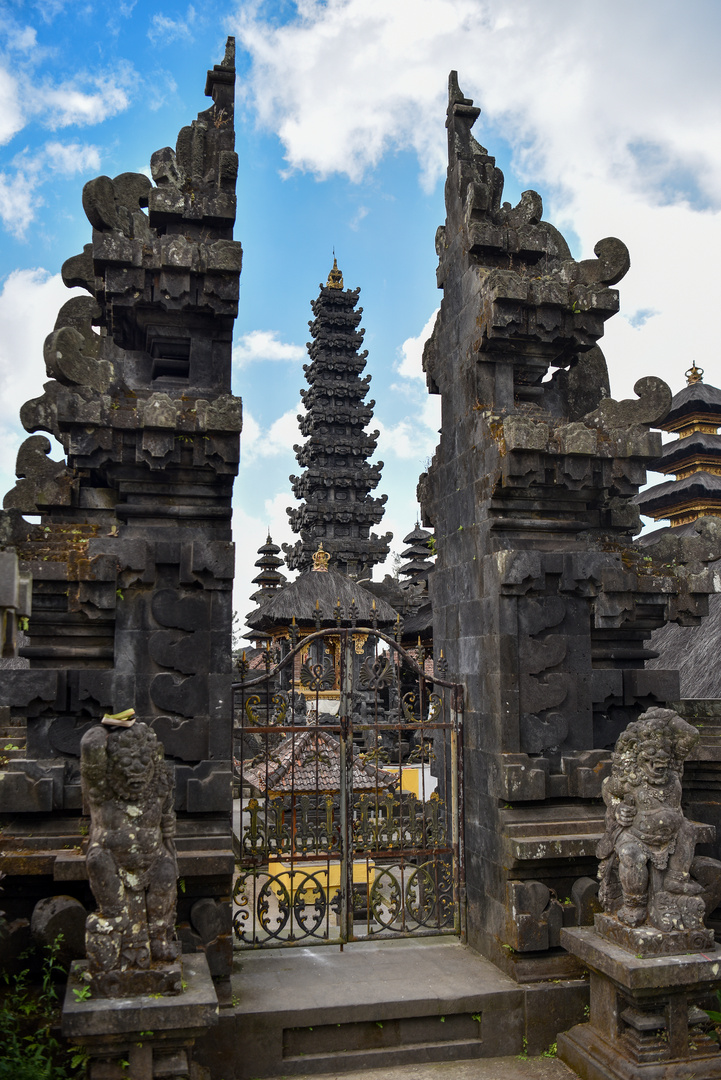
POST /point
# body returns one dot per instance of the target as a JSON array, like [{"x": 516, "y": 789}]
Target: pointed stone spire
[{"x": 337, "y": 479}]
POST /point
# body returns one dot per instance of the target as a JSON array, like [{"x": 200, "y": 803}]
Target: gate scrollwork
[{"x": 344, "y": 815}]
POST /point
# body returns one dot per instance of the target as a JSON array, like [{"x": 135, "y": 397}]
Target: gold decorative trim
[
  {"x": 335, "y": 278},
  {"x": 320, "y": 559}
]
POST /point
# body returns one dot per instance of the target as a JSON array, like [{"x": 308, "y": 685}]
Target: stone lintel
[
  {"x": 634, "y": 973},
  {"x": 192, "y": 1011}
]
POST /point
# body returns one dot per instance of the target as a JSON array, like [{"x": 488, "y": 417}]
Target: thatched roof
[
  {"x": 694, "y": 650},
  {"x": 698, "y": 485},
  {"x": 327, "y": 588},
  {"x": 699, "y": 397},
  {"x": 698, "y": 444},
  {"x": 421, "y": 622}
]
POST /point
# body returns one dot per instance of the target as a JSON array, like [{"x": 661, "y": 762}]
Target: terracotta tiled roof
[{"x": 310, "y": 761}]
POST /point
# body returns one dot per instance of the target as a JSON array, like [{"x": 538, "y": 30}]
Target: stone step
[
  {"x": 11, "y": 750},
  {"x": 312, "y": 1011}
]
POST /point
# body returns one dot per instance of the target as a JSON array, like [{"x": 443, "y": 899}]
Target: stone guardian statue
[
  {"x": 131, "y": 861},
  {"x": 648, "y": 847}
]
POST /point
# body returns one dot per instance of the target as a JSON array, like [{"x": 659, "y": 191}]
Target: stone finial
[
  {"x": 652, "y": 904},
  {"x": 131, "y": 862}
]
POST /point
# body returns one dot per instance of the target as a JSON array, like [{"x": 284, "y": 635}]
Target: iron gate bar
[{"x": 425, "y": 861}]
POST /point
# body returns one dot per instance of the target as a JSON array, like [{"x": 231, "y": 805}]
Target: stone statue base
[
  {"x": 645, "y": 1019},
  {"x": 159, "y": 979},
  {"x": 148, "y": 1036},
  {"x": 644, "y": 941}
]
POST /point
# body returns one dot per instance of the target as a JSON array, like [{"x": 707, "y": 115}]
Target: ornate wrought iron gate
[{"x": 347, "y": 757}]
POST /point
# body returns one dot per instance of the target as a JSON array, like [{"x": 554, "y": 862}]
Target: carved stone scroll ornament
[
  {"x": 652, "y": 903},
  {"x": 132, "y": 866}
]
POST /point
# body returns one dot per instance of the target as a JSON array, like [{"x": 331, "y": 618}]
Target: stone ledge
[
  {"x": 196, "y": 1008},
  {"x": 635, "y": 973}
]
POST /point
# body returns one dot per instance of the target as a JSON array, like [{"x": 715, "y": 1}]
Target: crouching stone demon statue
[
  {"x": 131, "y": 862},
  {"x": 647, "y": 889}
]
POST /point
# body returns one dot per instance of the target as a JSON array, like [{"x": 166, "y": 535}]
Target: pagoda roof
[
  {"x": 697, "y": 398},
  {"x": 309, "y": 760},
  {"x": 298, "y": 599},
  {"x": 420, "y": 623},
  {"x": 416, "y": 566},
  {"x": 417, "y": 536},
  {"x": 698, "y": 485},
  {"x": 697, "y": 445}
]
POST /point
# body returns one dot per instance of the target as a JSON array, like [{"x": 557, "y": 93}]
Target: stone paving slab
[
  {"x": 375, "y": 1006},
  {"x": 499, "y": 1068},
  {"x": 400, "y": 973}
]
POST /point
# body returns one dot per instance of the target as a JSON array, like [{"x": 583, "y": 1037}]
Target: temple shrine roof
[{"x": 309, "y": 760}]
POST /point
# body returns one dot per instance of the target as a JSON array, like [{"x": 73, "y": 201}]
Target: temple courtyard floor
[{"x": 413, "y": 1009}]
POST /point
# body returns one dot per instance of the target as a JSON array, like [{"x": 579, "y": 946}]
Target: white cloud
[
  {"x": 163, "y": 30},
  {"x": 68, "y": 105},
  {"x": 264, "y": 345},
  {"x": 414, "y": 438},
  {"x": 361, "y": 212},
  {"x": 19, "y": 38},
  {"x": 70, "y": 158},
  {"x": 598, "y": 107},
  {"x": 612, "y": 112},
  {"x": 249, "y": 532},
  {"x": 11, "y": 115},
  {"x": 410, "y": 362},
  {"x": 29, "y": 303},
  {"x": 279, "y": 438},
  {"x": 19, "y": 198}
]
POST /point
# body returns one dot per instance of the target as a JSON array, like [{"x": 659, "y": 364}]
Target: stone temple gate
[
  {"x": 132, "y": 560},
  {"x": 543, "y": 604}
]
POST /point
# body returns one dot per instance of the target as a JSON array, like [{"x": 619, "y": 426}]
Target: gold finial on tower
[
  {"x": 694, "y": 375},
  {"x": 335, "y": 278},
  {"x": 321, "y": 559}
]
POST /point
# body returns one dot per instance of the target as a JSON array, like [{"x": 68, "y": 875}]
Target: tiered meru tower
[
  {"x": 694, "y": 458},
  {"x": 132, "y": 561},
  {"x": 337, "y": 508}
]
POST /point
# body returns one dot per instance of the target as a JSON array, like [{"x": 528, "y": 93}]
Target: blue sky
[{"x": 611, "y": 112}]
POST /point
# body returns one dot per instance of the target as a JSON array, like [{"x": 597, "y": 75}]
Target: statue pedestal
[
  {"x": 645, "y": 1020},
  {"x": 147, "y": 1036}
]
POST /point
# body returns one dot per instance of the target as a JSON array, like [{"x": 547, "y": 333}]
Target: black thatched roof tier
[
  {"x": 696, "y": 400},
  {"x": 698, "y": 448},
  {"x": 327, "y": 588},
  {"x": 693, "y": 650},
  {"x": 421, "y": 622},
  {"x": 418, "y": 535},
  {"x": 655, "y": 501}
]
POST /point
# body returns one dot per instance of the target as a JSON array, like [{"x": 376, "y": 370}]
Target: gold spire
[
  {"x": 321, "y": 559},
  {"x": 335, "y": 278},
  {"x": 694, "y": 375}
]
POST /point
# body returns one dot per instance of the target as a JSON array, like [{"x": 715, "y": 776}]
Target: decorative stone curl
[{"x": 131, "y": 862}]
